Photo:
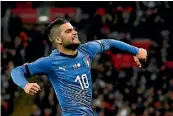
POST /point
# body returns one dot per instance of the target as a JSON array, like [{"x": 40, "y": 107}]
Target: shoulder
[
  {"x": 91, "y": 45},
  {"x": 84, "y": 48},
  {"x": 47, "y": 59},
  {"x": 89, "y": 48},
  {"x": 55, "y": 56},
  {"x": 87, "y": 45}
]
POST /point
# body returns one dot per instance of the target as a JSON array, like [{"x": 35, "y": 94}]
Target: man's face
[{"x": 68, "y": 36}]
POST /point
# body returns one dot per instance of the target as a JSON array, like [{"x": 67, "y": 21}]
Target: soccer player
[{"x": 68, "y": 67}]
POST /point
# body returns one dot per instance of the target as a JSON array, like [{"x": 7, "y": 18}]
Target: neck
[{"x": 66, "y": 51}]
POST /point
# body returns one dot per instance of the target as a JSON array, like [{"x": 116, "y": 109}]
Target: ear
[{"x": 59, "y": 40}]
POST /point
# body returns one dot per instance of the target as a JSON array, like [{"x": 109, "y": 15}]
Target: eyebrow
[{"x": 70, "y": 29}]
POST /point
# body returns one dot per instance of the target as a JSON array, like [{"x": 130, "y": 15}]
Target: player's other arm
[
  {"x": 102, "y": 45},
  {"x": 21, "y": 73},
  {"x": 139, "y": 53}
]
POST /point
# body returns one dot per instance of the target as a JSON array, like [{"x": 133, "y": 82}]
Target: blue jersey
[{"x": 71, "y": 75}]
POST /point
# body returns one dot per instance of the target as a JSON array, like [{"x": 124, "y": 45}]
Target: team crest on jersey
[
  {"x": 76, "y": 66},
  {"x": 87, "y": 61}
]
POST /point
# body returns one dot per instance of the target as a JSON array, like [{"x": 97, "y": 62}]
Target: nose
[{"x": 74, "y": 32}]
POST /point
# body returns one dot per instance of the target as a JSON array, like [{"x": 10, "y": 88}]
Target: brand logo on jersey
[
  {"x": 76, "y": 66},
  {"x": 61, "y": 68},
  {"x": 87, "y": 61}
]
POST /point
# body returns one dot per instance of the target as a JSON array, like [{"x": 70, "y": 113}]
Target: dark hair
[{"x": 54, "y": 24}]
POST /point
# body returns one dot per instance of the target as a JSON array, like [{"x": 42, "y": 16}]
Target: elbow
[{"x": 14, "y": 74}]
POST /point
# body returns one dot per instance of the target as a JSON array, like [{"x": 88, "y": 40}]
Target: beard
[{"x": 72, "y": 46}]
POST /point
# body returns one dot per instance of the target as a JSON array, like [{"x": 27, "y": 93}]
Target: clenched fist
[
  {"x": 32, "y": 88},
  {"x": 142, "y": 55}
]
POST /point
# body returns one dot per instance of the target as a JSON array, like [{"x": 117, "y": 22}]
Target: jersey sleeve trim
[
  {"x": 27, "y": 73},
  {"x": 101, "y": 44}
]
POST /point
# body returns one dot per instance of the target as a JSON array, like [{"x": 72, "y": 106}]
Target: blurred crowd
[{"x": 119, "y": 86}]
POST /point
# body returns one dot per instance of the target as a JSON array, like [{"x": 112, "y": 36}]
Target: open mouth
[{"x": 75, "y": 38}]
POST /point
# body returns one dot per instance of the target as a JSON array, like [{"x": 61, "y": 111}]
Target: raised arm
[
  {"x": 99, "y": 46},
  {"x": 21, "y": 73},
  {"x": 139, "y": 53}
]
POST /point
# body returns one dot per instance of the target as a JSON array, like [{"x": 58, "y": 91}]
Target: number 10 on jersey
[{"x": 83, "y": 81}]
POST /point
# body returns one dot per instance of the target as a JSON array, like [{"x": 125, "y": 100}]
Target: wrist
[
  {"x": 23, "y": 85},
  {"x": 137, "y": 51}
]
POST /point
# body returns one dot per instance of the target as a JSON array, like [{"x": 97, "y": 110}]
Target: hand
[
  {"x": 142, "y": 55},
  {"x": 32, "y": 88}
]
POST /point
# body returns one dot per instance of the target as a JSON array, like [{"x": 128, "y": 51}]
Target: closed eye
[{"x": 68, "y": 30}]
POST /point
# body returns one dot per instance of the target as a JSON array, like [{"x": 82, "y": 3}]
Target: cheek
[
  {"x": 66, "y": 37},
  {"x": 66, "y": 40}
]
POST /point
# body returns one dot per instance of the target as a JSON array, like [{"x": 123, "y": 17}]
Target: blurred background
[{"x": 120, "y": 88}]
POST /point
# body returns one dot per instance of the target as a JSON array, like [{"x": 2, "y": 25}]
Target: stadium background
[{"x": 119, "y": 87}]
